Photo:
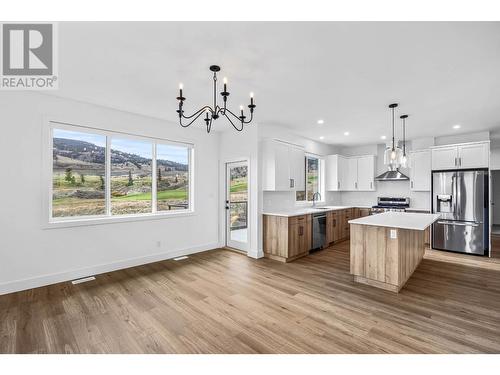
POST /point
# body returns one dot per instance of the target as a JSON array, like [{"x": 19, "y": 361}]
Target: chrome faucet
[{"x": 316, "y": 196}]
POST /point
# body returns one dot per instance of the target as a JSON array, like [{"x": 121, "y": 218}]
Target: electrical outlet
[{"x": 394, "y": 234}]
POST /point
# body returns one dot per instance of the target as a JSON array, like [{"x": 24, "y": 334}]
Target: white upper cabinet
[
  {"x": 420, "y": 170},
  {"x": 297, "y": 163},
  {"x": 283, "y": 166},
  {"x": 444, "y": 158},
  {"x": 474, "y": 155},
  {"x": 332, "y": 169},
  {"x": 463, "y": 156},
  {"x": 355, "y": 173},
  {"x": 366, "y": 173}
]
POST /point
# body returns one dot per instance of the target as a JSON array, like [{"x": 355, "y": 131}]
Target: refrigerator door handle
[
  {"x": 454, "y": 193},
  {"x": 459, "y": 223}
]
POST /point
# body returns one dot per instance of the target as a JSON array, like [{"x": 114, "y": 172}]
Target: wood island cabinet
[{"x": 287, "y": 238}]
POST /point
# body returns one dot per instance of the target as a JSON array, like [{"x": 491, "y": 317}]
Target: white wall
[
  {"x": 495, "y": 157},
  {"x": 31, "y": 256},
  {"x": 462, "y": 138}
]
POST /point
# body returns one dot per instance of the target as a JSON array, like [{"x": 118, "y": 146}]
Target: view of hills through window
[{"x": 80, "y": 182}]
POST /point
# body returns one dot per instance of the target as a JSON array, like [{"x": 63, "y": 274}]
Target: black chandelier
[{"x": 215, "y": 112}]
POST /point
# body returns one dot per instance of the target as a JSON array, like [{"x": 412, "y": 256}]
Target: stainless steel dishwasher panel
[{"x": 318, "y": 230}]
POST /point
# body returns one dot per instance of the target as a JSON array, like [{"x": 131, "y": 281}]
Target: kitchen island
[{"x": 387, "y": 248}]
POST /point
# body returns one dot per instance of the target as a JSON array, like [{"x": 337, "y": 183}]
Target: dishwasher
[{"x": 318, "y": 230}]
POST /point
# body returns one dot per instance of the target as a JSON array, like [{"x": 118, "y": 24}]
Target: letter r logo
[{"x": 27, "y": 49}]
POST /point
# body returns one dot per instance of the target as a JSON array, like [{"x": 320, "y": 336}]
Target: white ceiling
[{"x": 442, "y": 74}]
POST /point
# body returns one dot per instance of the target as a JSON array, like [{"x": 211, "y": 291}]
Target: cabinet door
[
  {"x": 420, "y": 170},
  {"x": 444, "y": 158},
  {"x": 342, "y": 173},
  {"x": 364, "y": 212},
  {"x": 351, "y": 174},
  {"x": 473, "y": 155},
  {"x": 332, "y": 173},
  {"x": 366, "y": 173},
  {"x": 329, "y": 227},
  {"x": 345, "y": 224},
  {"x": 281, "y": 167},
  {"x": 336, "y": 226},
  {"x": 297, "y": 162}
]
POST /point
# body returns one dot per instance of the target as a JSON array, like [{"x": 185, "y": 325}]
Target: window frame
[
  {"x": 321, "y": 180},
  {"x": 47, "y": 167}
]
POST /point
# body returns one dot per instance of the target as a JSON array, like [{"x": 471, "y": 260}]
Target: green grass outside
[
  {"x": 238, "y": 186},
  {"x": 161, "y": 195}
]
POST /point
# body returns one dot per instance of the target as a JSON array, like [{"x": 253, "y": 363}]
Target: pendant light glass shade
[
  {"x": 393, "y": 154},
  {"x": 392, "y": 157},
  {"x": 404, "y": 161}
]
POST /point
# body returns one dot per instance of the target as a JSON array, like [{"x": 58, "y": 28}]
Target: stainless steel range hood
[{"x": 392, "y": 176}]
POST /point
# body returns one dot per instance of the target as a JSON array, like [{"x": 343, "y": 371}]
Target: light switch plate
[{"x": 394, "y": 234}]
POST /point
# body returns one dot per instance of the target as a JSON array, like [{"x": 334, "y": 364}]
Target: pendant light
[
  {"x": 392, "y": 155},
  {"x": 404, "y": 157}
]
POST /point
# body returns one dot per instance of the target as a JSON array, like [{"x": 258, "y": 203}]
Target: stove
[{"x": 385, "y": 204}]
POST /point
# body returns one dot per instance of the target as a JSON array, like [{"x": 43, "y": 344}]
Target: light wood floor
[{"x": 224, "y": 302}]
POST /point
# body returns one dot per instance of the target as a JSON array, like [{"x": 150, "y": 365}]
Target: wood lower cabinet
[
  {"x": 337, "y": 223},
  {"x": 287, "y": 238}
]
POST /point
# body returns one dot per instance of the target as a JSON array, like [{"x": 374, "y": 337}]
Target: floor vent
[
  {"x": 83, "y": 280},
  {"x": 181, "y": 258}
]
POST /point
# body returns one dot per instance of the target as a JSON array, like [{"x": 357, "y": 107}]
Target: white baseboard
[
  {"x": 35, "y": 282},
  {"x": 255, "y": 255}
]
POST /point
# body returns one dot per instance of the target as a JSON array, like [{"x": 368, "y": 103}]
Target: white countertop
[
  {"x": 403, "y": 220},
  {"x": 309, "y": 210}
]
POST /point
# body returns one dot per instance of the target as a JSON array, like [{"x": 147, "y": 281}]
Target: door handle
[{"x": 458, "y": 223}]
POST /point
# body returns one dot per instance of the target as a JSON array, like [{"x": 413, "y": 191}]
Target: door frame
[{"x": 225, "y": 222}]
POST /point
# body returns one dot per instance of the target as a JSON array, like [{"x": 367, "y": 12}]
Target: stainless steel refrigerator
[{"x": 461, "y": 197}]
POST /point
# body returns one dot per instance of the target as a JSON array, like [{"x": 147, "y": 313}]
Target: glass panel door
[{"x": 237, "y": 233}]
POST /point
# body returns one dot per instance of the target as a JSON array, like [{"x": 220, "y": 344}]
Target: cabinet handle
[
  {"x": 355, "y": 185},
  {"x": 371, "y": 184},
  {"x": 411, "y": 184},
  {"x": 334, "y": 222},
  {"x": 301, "y": 230},
  {"x": 460, "y": 161},
  {"x": 338, "y": 185}
]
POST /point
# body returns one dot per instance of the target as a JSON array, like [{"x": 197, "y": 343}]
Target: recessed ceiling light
[
  {"x": 346, "y": 133},
  {"x": 456, "y": 126},
  {"x": 321, "y": 137},
  {"x": 321, "y": 122},
  {"x": 383, "y": 137}
]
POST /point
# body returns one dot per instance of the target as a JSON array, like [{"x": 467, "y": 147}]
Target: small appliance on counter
[
  {"x": 461, "y": 197},
  {"x": 385, "y": 204}
]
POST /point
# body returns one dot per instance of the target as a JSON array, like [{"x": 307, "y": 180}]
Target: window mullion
[
  {"x": 154, "y": 185},
  {"x": 108, "y": 176}
]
